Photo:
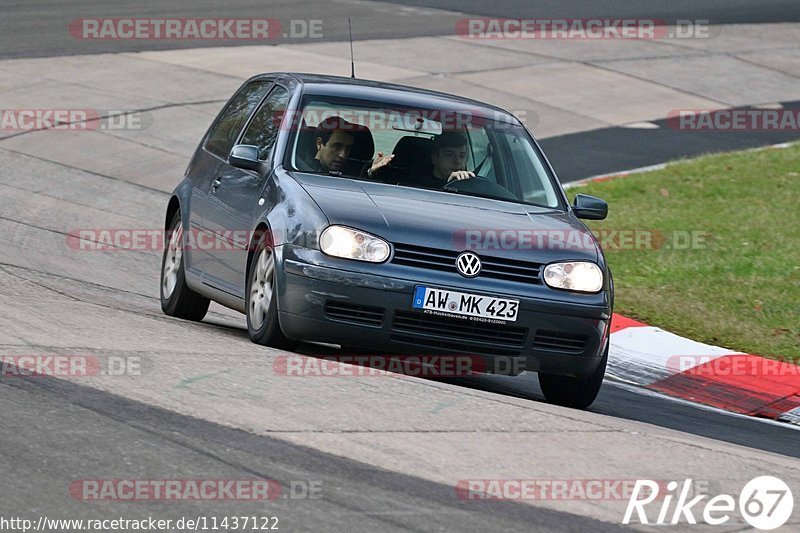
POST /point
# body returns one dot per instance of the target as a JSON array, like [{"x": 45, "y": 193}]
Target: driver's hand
[
  {"x": 380, "y": 162},
  {"x": 460, "y": 175}
]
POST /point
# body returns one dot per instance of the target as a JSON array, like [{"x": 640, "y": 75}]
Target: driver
[{"x": 449, "y": 158}]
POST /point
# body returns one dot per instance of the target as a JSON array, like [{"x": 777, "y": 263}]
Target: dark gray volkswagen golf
[{"x": 390, "y": 219}]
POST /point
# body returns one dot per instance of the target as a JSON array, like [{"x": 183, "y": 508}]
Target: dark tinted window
[
  {"x": 263, "y": 129},
  {"x": 224, "y": 131}
]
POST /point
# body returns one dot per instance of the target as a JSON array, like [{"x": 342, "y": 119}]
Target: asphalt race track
[
  {"x": 200, "y": 401},
  {"x": 715, "y": 11},
  {"x": 599, "y": 153},
  {"x": 34, "y": 29}
]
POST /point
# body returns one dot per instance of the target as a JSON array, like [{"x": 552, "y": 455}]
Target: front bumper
[{"x": 319, "y": 302}]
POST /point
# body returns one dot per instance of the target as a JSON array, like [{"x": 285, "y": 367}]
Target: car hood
[{"x": 451, "y": 221}]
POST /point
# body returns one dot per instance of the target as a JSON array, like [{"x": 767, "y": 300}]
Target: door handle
[{"x": 215, "y": 184}]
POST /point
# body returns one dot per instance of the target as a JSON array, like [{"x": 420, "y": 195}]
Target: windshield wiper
[{"x": 336, "y": 174}]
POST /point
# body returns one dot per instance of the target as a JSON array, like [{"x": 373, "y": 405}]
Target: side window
[
  {"x": 263, "y": 129},
  {"x": 225, "y": 130}
]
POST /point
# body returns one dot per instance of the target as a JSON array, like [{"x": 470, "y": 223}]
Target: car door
[
  {"x": 234, "y": 197},
  {"x": 206, "y": 166},
  {"x": 203, "y": 169}
]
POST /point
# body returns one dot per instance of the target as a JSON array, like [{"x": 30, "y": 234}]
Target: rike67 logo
[{"x": 765, "y": 503}]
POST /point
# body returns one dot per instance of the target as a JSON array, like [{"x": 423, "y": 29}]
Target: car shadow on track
[
  {"x": 614, "y": 400},
  {"x": 630, "y": 403},
  {"x": 525, "y": 385}
]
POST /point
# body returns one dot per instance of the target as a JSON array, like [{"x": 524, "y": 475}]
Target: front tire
[
  {"x": 578, "y": 393},
  {"x": 261, "y": 301},
  {"x": 177, "y": 299}
]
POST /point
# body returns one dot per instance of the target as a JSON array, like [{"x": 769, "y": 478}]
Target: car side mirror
[
  {"x": 589, "y": 207},
  {"x": 245, "y": 156}
]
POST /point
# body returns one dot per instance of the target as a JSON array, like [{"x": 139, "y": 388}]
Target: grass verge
[{"x": 723, "y": 261}]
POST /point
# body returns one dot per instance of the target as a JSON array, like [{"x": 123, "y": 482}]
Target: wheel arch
[
  {"x": 173, "y": 207},
  {"x": 263, "y": 228}
]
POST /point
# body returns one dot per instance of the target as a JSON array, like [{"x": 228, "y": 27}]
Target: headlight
[
  {"x": 340, "y": 241},
  {"x": 578, "y": 276}
]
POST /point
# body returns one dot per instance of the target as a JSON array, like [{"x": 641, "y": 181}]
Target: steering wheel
[
  {"x": 476, "y": 177},
  {"x": 480, "y": 185}
]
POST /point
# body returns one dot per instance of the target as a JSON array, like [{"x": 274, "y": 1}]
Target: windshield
[{"x": 460, "y": 152}]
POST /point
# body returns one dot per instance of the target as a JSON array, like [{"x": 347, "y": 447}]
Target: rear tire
[
  {"x": 578, "y": 393},
  {"x": 177, "y": 299},
  {"x": 261, "y": 302}
]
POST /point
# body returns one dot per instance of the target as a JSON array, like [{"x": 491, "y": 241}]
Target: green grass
[{"x": 741, "y": 289}]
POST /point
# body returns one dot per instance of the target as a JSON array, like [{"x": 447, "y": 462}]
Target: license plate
[{"x": 460, "y": 303}]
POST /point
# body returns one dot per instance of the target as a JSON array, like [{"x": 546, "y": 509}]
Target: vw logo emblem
[{"x": 468, "y": 264}]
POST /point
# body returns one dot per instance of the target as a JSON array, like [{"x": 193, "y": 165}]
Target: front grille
[
  {"x": 559, "y": 341},
  {"x": 453, "y": 346},
  {"x": 445, "y": 261},
  {"x": 359, "y": 314},
  {"x": 463, "y": 334}
]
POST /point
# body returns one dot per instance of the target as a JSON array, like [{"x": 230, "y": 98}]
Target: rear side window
[
  {"x": 263, "y": 129},
  {"x": 225, "y": 130}
]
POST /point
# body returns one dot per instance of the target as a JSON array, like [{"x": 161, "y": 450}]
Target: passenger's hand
[
  {"x": 460, "y": 175},
  {"x": 380, "y": 162}
]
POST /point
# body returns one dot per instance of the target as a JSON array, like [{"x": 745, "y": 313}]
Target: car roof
[{"x": 339, "y": 86}]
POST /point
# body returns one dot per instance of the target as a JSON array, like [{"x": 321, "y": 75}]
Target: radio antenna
[{"x": 352, "y": 62}]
